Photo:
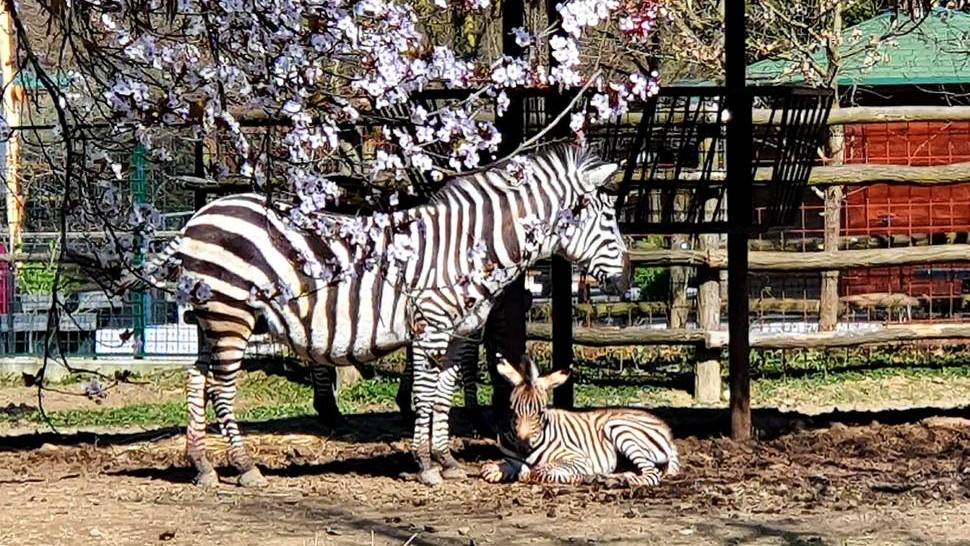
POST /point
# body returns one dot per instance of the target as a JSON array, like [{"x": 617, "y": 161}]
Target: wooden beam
[
  {"x": 619, "y": 337},
  {"x": 613, "y": 337},
  {"x": 886, "y": 334},
  {"x": 810, "y": 261},
  {"x": 760, "y": 116},
  {"x": 890, "y": 114},
  {"x": 886, "y": 174}
]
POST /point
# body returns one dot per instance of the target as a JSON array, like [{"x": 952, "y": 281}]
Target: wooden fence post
[
  {"x": 678, "y": 287},
  {"x": 829, "y": 305},
  {"x": 707, "y": 371}
]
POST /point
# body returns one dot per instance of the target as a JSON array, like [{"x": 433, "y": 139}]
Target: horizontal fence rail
[
  {"x": 808, "y": 261},
  {"x": 619, "y": 337}
]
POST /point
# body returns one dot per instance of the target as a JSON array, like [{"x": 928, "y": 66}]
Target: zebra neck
[{"x": 455, "y": 244}]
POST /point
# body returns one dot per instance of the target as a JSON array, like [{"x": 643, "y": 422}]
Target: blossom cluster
[{"x": 317, "y": 67}]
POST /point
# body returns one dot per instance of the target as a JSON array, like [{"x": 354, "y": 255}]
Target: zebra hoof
[
  {"x": 430, "y": 477},
  {"x": 252, "y": 478},
  {"x": 454, "y": 473},
  {"x": 206, "y": 479}
]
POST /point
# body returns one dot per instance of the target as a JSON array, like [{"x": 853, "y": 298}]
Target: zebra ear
[
  {"x": 509, "y": 372},
  {"x": 553, "y": 380},
  {"x": 600, "y": 175}
]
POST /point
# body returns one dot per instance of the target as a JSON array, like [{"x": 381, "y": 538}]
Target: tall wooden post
[
  {"x": 828, "y": 317},
  {"x": 707, "y": 370},
  {"x": 11, "y": 113},
  {"x": 678, "y": 287},
  {"x": 829, "y": 295},
  {"x": 739, "y": 157}
]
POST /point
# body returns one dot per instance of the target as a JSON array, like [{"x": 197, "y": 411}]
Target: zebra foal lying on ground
[
  {"x": 558, "y": 446},
  {"x": 432, "y": 273}
]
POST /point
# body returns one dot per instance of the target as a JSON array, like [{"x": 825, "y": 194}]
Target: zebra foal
[
  {"x": 429, "y": 275},
  {"x": 558, "y": 446}
]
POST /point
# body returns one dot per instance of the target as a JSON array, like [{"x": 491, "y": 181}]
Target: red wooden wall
[{"x": 905, "y": 209}]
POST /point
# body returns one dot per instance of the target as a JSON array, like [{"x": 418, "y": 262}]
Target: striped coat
[
  {"x": 337, "y": 302},
  {"x": 558, "y": 446}
]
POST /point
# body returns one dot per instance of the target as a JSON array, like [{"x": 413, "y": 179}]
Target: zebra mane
[{"x": 576, "y": 157}]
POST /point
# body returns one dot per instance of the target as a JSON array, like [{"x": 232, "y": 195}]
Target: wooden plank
[
  {"x": 810, "y": 261},
  {"x": 887, "y": 174},
  {"x": 613, "y": 337},
  {"x": 892, "y": 114},
  {"x": 618, "y": 337},
  {"x": 887, "y": 334}
]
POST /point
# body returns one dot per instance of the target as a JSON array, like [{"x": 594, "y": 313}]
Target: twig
[{"x": 559, "y": 117}]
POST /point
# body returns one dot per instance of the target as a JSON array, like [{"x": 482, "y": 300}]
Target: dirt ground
[{"x": 906, "y": 483}]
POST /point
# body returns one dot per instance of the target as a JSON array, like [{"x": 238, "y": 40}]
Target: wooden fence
[{"x": 709, "y": 259}]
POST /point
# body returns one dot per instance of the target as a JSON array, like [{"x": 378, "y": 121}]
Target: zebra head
[
  {"x": 529, "y": 400},
  {"x": 588, "y": 232}
]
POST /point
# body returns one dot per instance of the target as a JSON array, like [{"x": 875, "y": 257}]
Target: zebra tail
[{"x": 146, "y": 276}]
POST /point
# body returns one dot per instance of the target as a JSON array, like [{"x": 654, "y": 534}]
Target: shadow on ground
[{"x": 390, "y": 427}]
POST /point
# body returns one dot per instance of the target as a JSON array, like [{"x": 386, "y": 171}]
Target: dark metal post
[
  {"x": 199, "y": 171},
  {"x": 505, "y": 328},
  {"x": 562, "y": 270},
  {"x": 562, "y": 327},
  {"x": 739, "y": 135}
]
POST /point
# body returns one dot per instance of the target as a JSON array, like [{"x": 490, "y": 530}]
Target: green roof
[{"x": 933, "y": 52}]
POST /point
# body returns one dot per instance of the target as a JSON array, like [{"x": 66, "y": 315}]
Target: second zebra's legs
[
  {"x": 225, "y": 365},
  {"x": 465, "y": 355},
  {"x": 323, "y": 379},
  {"x": 425, "y": 383},
  {"x": 196, "y": 397},
  {"x": 440, "y": 448}
]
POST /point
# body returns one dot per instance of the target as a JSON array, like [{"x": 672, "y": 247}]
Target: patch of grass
[
  {"x": 373, "y": 394},
  {"x": 266, "y": 397},
  {"x": 168, "y": 414},
  {"x": 916, "y": 384}
]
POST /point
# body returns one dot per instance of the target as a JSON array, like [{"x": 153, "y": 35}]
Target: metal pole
[
  {"x": 505, "y": 329},
  {"x": 562, "y": 270},
  {"x": 739, "y": 135},
  {"x": 139, "y": 195},
  {"x": 199, "y": 171}
]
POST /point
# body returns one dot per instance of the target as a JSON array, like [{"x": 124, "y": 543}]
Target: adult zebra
[{"x": 502, "y": 219}]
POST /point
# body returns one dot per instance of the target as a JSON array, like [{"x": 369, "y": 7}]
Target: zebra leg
[
  {"x": 206, "y": 475},
  {"x": 405, "y": 389},
  {"x": 323, "y": 378},
  {"x": 227, "y": 354},
  {"x": 440, "y": 448},
  {"x": 568, "y": 471},
  {"x": 466, "y": 356},
  {"x": 638, "y": 449},
  {"x": 507, "y": 471},
  {"x": 426, "y": 375}
]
